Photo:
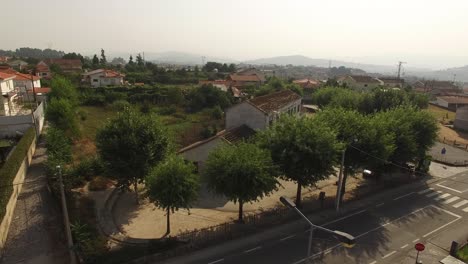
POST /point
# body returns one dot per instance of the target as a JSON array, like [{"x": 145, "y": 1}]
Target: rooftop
[
  {"x": 364, "y": 79},
  {"x": 274, "y": 101},
  {"x": 454, "y": 99},
  {"x": 6, "y": 76}
]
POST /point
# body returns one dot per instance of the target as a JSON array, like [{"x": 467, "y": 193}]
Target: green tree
[
  {"x": 95, "y": 61},
  {"x": 62, "y": 88},
  {"x": 207, "y": 96},
  {"x": 73, "y": 56},
  {"x": 130, "y": 60},
  {"x": 242, "y": 172},
  {"x": 58, "y": 145},
  {"x": 172, "y": 185},
  {"x": 362, "y": 139},
  {"x": 103, "y": 60},
  {"x": 139, "y": 60},
  {"x": 61, "y": 113},
  {"x": 130, "y": 145},
  {"x": 305, "y": 150}
]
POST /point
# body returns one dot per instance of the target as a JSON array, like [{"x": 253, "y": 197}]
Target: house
[
  {"x": 23, "y": 81},
  {"x": 198, "y": 152},
  {"x": 8, "y": 92},
  {"x": 246, "y": 77},
  {"x": 360, "y": 82},
  {"x": 461, "y": 118},
  {"x": 4, "y": 59},
  {"x": 392, "y": 82},
  {"x": 308, "y": 86},
  {"x": 258, "y": 113},
  {"x": 18, "y": 64},
  {"x": 436, "y": 88},
  {"x": 103, "y": 77},
  {"x": 451, "y": 103},
  {"x": 242, "y": 120},
  {"x": 223, "y": 85},
  {"x": 65, "y": 65}
]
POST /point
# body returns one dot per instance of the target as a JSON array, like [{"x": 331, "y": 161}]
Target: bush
[
  {"x": 168, "y": 110},
  {"x": 120, "y": 105},
  {"x": 11, "y": 167},
  {"x": 99, "y": 183},
  {"x": 61, "y": 113},
  {"x": 88, "y": 168}
]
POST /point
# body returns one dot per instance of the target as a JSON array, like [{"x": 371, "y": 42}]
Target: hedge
[{"x": 11, "y": 167}]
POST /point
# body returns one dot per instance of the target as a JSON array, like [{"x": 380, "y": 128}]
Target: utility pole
[
  {"x": 400, "y": 63},
  {"x": 65, "y": 217}
]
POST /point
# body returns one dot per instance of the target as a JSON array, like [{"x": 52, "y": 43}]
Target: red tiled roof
[
  {"x": 275, "y": 101},
  {"x": 244, "y": 78},
  {"x": 42, "y": 68},
  {"x": 6, "y": 69},
  {"x": 454, "y": 99},
  {"x": 25, "y": 77},
  {"x": 40, "y": 90},
  {"x": 4, "y": 76},
  {"x": 307, "y": 83}
]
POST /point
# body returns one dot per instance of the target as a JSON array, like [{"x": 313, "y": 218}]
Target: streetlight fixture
[{"x": 346, "y": 239}]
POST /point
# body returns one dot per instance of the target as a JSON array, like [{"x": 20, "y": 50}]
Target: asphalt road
[{"x": 386, "y": 231}]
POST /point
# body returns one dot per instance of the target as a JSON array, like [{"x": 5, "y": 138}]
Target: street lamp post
[{"x": 343, "y": 237}]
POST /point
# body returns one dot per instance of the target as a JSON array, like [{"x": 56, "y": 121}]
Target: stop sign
[{"x": 419, "y": 247}]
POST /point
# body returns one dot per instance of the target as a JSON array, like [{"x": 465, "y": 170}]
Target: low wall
[
  {"x": 17, "y": 186},
  {"x": 9, "y": 125}
]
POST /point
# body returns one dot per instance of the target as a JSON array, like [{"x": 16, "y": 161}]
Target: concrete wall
[
  {"x": 200, "y": 153},
  {"x": 461, "y": 119},
  {"x": 7, "y": 86},
  {"x": 245, "y": 113},
  {"x": 19, "y": 178},
  {"x": 441, "y": 102},
  {"x": 10, "y": 124},
  {"x": 26, "y": 83}
]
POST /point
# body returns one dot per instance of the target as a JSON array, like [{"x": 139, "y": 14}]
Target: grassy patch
[
  {"x": 463, "y": 253},
  {"x": 441, "y": 114}
]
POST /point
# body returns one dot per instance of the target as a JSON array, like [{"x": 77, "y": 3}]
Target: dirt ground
[
  {"x": 147, "y": 221},
  {"x": 450, "y": 134}
]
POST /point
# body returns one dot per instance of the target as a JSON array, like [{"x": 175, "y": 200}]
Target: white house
[
  {"x": 23, "y": 81},
  {"x": 103, "y": 77},
  {"x": 360, "y": 82},
  {"x": 242, "y": 120},
  {"x": 7, "y": 88}
]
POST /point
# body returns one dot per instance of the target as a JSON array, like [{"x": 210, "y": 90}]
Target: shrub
[
  {"x": 99, "y": 183},
  {"x": 120, "y": 105},
  {"x": 11, "y": 167},
  {"x": 168, "y": 110}
]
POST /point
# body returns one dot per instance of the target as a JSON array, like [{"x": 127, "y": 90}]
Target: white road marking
[
  {"x": 465, "y": 210},
  {"x": 288, "y": 237},
  {"x": 216, "y": 261},
  {"x": 379, "y": 204},
  {"x": 453, "y": 199},
  {"x": 460, "y": 203},
  {"x": 344, "y": 217},
  {"x": 425, "y": 191},
  {"x": 373, "y": 262},
  {"x": 389, "y": 254},
  {"x": 398, "y": 198},
  {"x": 433, "y": 194},
  {"x": 252, "y": 249},
  {"x": 442, "y": 196},
  {"x": 449, "y": 223},
  {"x": 448, "y": 188},
  {"x": 415, "y": 240},
  {"x": 402, "y": 247}
]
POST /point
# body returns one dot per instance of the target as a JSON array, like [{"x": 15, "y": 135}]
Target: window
[{"x": 44, "y": 74}]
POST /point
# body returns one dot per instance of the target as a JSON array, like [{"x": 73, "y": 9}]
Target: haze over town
[{"x": 426, "y": 34}]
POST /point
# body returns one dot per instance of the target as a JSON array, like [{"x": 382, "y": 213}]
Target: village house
[
  {"x": 308, "y": 86},
  {"x": 22, "y": 81},
  {"x": 223, "y": 85},
  {"x": 65, "y": 65},
  {"x": 451, "y": 103},
  {"x": 7, "y": 89},
  {"x": 360, "y": 82},
  {"x": 103, "y": 77},
  {"x": 242, "y": 120},
  {"x": 18, "y": 64},
  {"x": 436, "y": 88},
  {"x": 392, "y": 82},
  {"x": 246, "y": 77}
]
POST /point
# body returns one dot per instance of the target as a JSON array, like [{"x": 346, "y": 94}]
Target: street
[{"x": 385, "y": 231}]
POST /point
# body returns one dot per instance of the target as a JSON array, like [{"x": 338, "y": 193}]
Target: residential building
[
  {"x": 360, "y": 82},
  {"x": 8, "y": 91},
  {"x": 451, "y": 103},
  {"x": 22, "y": 81},
  {"x": 392, "y": 82},
  {"x": 223, "y": 85},
  {"x": 242, "y": 120},
  {"x": 18, "y": 64},
  {"x": 436, "y": 88},
  {"x": 258, "y": 113},
  {"x": 246, "y": 77},
  {"x": 4, "y": 59},
  {"x": 461, "y": 118},
  {"x": 103, "y": 77},
  {"x": 65, "y": 65},
  {"x": 308, "y": 86}
]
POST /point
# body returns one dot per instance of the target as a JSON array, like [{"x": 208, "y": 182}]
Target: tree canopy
[
  {"x": 172, "y": 185},
  {"x": 130, "y": 145},
  {"x": 304, "y": 149},
  {"x": 242, "y": 172}
]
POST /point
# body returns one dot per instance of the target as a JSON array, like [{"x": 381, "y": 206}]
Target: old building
[
  {"x": 65, "y": 65},
  {"x": 103, "y": 77},
  {"x": 246, "y": 77},
  {"x": 392, "y": 82},
  {"x": 451, "y": 103},
  {"x": 360, "y": 82},
  {"x": 242, "y": 120},
  {"x": 436, "y": 88}
]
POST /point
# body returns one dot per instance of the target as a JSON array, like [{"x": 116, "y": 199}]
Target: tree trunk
[
  {"x": 343, "y": 184},
  {"x": 135, "y": 186},
  {"x": 168, "y": 231},
  {"x": 298, "y": 195},
  {"x": 241, "y": 211}
]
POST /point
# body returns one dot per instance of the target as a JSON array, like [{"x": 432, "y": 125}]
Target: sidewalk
[{"x": 36, "y": 234}]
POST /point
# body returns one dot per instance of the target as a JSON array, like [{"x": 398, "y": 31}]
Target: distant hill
[
  {"x": 461, "y": 74},
  {"x": 306, "y": 61},
  {"x": 183, "y": 58}
]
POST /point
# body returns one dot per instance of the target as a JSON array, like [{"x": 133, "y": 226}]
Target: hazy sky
[{"x": 422, "y": 32}]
